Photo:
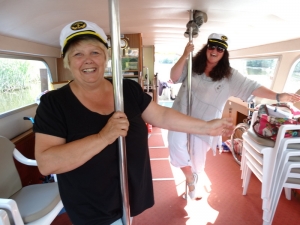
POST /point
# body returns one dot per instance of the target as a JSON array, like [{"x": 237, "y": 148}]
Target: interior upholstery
[
  {"x": 34, "y": 201},
  {"x": 10, "y": 181}
]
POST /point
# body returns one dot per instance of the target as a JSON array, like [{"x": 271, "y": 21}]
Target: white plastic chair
[
  {"x": 261, "y": 160},
  {"x": 36, "y": 204},
  {"x": 4, "y": 220},
  {"x": 283, "y": 177},
  {"x": 290, "y": 178},
  {"x": 285, "y": 155}
]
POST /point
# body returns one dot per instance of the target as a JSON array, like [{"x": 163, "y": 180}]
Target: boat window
[
  {"x": 261, "y": 70},
  {"x": 163, "y": 64},
  {"x": 21, "y": 82},
  {"x": 292, "y": 84}
]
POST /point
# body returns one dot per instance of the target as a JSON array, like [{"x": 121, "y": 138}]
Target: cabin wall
[
  {"x": 286, "y": 62},
  {"x": 14, "y": 46},
  {"x": 148, "y": 61},
  {"x": 13, "y": 124},
  {"x": 269, "y": 49},
  {"x": 63, "y": 73}
]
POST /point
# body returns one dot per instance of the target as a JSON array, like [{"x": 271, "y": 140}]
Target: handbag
[{"x": 271, "y": 117}]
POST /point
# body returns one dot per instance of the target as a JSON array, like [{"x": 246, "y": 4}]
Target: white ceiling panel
[{"x": 162, "y": 22}]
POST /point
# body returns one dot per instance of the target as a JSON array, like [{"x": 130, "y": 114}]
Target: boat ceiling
[{"x": 162, "y": 23}]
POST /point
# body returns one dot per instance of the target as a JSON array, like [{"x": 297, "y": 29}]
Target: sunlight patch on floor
[{"x": 200, "y": 212}]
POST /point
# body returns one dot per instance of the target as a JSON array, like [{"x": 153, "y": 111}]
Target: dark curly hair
[{"x": 221, "y": 70}]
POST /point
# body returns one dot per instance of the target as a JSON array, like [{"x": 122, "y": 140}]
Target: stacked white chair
[
  {"x": 4, "y": 220},
  {"x": 36, "y": 204},
  {"x": 286, "y": 175},
  {"x": 263, "y": 161}
]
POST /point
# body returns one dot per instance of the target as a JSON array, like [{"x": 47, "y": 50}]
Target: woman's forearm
[
  {"x": 171, "y": 119},
  {"x": 54, "y": 156},
  {"x": 264, "y": 92},
  {"x": 177, "y": 69}
]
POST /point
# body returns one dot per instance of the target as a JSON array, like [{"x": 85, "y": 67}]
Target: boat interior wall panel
[
  {"x": 62, "y": 73},
  {"x": 287, "y": 61},
  {"x": 14, "y": 124},
  {"x": 14, "y": 46},
  {"x": 268, "y": 49},
  {"x": 148, "y": 61}
]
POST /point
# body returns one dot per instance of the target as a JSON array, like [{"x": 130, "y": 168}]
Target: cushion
[{"x": 37, "y": 200}]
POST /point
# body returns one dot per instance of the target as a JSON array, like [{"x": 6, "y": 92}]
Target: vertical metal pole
[
  {"x": 189, "y": 97},
  {"x": 118, "y": 98},
  {"x": 189, "y": 78}
]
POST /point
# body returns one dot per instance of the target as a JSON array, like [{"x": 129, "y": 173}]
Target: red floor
[{"x": 224, "y": 205}]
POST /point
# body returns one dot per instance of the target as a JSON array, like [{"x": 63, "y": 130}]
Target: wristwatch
[
  {"x": 277, "y": 97},
  {"x": 278, "y": 101}
]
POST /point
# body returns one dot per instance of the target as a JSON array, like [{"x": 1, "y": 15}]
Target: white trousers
[{"x": 179, "y": 153}]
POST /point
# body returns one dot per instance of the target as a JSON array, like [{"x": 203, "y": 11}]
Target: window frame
[
  {"x": 278, "y": 57},
  {"x": 24, "y": 57},
  {"x": 292, "y": 68}
]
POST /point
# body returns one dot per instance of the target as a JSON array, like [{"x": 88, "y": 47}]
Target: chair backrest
[{"x": 10, "y": 181}]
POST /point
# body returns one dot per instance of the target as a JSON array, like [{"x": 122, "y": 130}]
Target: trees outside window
[{"x": 21, "y": 82}]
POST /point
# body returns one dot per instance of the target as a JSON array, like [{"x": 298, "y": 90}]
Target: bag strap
[
  {"x": 262, "y": 110},
  {"x": 282, "y": 105},
  {"x": 258, "y": 134}
]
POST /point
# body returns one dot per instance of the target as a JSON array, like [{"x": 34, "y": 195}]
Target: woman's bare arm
[
  {"x": 176, "y": 70},
  {"x": 171, "y": 119},
  {"x": 54, "y": 155},
  {"x": 264, "y": 92}
]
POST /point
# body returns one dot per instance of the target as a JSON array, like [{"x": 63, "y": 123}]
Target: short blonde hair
[{"x": 85, "y": 40}]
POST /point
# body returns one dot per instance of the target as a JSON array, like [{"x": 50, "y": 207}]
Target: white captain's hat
[
  {"x": 218, "y": 39},
  {"x": 77, "y": 28}
]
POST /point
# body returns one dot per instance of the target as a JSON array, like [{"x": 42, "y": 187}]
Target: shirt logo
[
  {"x": 218, "y": 87},
  {"x": 79, "y": 25}
]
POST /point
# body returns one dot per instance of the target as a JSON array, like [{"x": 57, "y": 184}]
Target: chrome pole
[
  {"x": 118, "y": 98},
  {"x": 197, "y": 18},
  {"x": 189, "y": 78},
  {"x": 189, "y": 93}
]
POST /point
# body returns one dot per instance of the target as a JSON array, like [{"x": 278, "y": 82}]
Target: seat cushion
[
  {"x": 266, "y": 142},
  {"x": 36, "y": 201}
]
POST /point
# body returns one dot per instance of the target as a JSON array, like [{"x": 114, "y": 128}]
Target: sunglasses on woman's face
[{"x": 213, "y": 47}]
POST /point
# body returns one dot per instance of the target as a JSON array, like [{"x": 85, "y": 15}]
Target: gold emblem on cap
[
  {"x": 224, "y": 38},
  {"x": 78, "y": 25}
]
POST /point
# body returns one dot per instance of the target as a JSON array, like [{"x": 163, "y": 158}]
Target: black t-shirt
[{"x": 91, "y": 193}]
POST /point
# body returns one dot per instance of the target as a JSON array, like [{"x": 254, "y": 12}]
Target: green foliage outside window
[{"x": 20, "y": 82}]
